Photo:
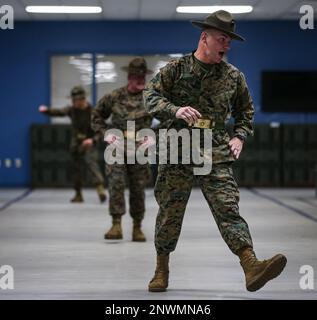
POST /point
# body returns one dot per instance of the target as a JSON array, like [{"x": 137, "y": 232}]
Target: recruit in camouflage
[
  {"x": 124, "y": 106},
  {"x": 81, "y": 156}
]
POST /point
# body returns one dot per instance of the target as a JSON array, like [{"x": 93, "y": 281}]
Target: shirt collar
[{"x": 197, "y": 69}]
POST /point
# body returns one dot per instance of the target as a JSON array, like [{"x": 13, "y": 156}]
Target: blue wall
[{"x": 25, "y": 52}]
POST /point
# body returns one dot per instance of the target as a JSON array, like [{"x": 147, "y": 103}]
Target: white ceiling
[{"x": 159, "y": 9}]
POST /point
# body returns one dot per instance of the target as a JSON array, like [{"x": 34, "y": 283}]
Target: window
[{"x": 68, "y": 71}]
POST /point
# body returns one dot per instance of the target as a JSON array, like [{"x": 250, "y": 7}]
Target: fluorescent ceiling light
[
  {"x": 63, "y": 9},
  {"x": 211, "y": 9}
]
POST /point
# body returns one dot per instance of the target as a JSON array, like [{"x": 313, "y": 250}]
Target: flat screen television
[{"x": 289, "y": 91}]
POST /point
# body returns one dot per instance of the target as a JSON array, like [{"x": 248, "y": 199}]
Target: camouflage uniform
[
  {"x": 81, "y": 130},
  {"x": 124, "y": 106},
  {"x": 217, "y": 91}
]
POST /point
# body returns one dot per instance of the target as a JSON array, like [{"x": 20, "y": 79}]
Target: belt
[
  {"x": 208, "y": 124},
  {"x": 129, "y": 134},
  {"x": 81, "y": 136}
]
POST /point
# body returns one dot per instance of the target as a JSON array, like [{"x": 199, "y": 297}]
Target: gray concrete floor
[{"x": 58, "y": 252}]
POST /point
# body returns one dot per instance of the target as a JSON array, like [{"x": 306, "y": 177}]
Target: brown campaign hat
[
  {"x": 220, "y": 20},
  {"x": 137, "y": 66},
  {"x": 78, "y": 92}
]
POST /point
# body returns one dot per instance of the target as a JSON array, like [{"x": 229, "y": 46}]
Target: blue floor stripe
[
  {"x": 282, "y": 204},
  {"x": 17, "y": 199}
]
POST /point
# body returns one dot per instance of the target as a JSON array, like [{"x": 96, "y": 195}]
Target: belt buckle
[{"x": 202, "y": 123}]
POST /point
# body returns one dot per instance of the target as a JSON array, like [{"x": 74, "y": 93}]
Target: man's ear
[{"x": 203, "y": 37}]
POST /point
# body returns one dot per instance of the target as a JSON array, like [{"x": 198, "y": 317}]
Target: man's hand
[
  {"x": 147, "y": 141},
  {"x": 43, "y": 108},
  {"x": 87, "y": 143},
  {"x": 236, "y": 145},
  {"x": 189, "y": 114},
  {"x": 111, "y": 138}
]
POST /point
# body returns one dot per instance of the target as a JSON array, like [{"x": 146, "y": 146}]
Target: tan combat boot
[
  {"x": 159, "y": 282},
  {"x": 258, "y": 273},
  {"x": 115, "y": 231},
  {"x": 77, "y": 198},
  {"x": 137, "y": 234},
  {"x": 101, "y": 193}
]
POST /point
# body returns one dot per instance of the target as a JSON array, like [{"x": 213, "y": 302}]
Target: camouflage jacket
[
  {"x": 217, "y": 92},
  {"x": 122, "y": 106},
  {"x": 80, "y": 123}
]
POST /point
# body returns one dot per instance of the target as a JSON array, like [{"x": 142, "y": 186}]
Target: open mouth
[{"x": 221, "y": 54}]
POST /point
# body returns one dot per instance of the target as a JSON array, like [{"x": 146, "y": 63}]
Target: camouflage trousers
[
  {"x": 137, "y": 177},
  {"x": 172, "y": 190},
  {"x": 85, "y": 158}
]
